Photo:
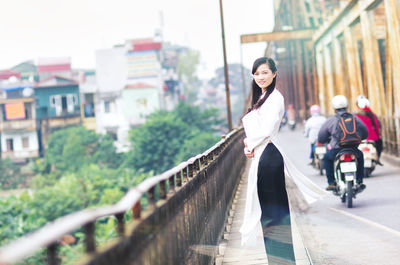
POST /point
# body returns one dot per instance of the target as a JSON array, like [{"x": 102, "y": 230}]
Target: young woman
[
  {"x": 266, "y": 198},
  {"x": 370, "y": 120}
]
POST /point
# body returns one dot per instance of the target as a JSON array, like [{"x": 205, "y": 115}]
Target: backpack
[{"x": 347, "y": 131}]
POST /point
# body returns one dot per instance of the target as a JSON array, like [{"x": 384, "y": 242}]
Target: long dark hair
[
  {"x": 371, "y": 116},
  {"x": 256, "y": 91}
]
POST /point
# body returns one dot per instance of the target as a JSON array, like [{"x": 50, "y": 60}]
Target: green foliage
[
  {"x": 156, "y": 143},
  {"x": 204, "y": 120},
  {"x": 81, "y": 169},
  {"x": 168, "y": 138},
  {"x": 10, "y": 176},
  {"x": 71, "y": 148},
  {"x": 196, "y": 145}
]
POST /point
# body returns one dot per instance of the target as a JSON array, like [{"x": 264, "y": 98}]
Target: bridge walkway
[{"x": 232, "y": 253}]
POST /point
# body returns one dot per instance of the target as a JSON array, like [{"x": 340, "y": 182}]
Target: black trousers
[{"x": 275, "y": 214}]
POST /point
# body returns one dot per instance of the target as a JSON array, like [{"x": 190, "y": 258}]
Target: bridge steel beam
[{"x": 357, "y": 25}]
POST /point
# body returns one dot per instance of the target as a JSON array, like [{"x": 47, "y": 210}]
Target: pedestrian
[
  {"x": 370, "y": 120},
  {"x": 266, "y": 198},
  {"x": 312, "y": 126}
]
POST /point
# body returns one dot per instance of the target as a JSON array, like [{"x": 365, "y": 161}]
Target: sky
[{"x": 77, "y": 28}]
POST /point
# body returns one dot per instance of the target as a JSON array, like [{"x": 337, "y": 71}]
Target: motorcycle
[
  {"x": 292, "y": 124},
  {"x": 370, "y": 156},
  {"x": 318, "y": 157},
  {"x": 345, "y": 165},
  {"x": 283, "y": 122}
]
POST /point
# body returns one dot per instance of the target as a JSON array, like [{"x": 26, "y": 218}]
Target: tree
[
  {"x": 196, "y": 145},
  {"x": 70, "y": 148},
  {"x": 156, "y": 143},
  {"x": 168, "y": 138},
  {"x": 205, "y": 121},
  {"x": 9, "y": 174}
]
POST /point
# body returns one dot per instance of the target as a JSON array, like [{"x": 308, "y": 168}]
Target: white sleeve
[{"x": 269, "y": 116}]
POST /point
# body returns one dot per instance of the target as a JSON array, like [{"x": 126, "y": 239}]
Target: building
[
  {"x": 88, "y": 89},
  {"x": 57, "y": 105},
  {"x": 18, "y": 132},
  {"x": 139, "y": 100},
  {"x": 129, "y": 86},
  {"x": 59, "y": 66}
]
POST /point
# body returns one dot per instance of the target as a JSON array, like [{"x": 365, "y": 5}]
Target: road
[{"x": 368, "y": 233}]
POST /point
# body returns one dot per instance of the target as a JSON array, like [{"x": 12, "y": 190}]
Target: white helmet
[
  {"x": 339, "y": 102},
  {"x": 363, "y": 103}
]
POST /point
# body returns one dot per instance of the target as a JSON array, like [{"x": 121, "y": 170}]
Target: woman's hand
[{"x": 247, "y": 152}]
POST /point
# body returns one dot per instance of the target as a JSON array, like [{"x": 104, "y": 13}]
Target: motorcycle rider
[
  {"x": 370, "y": 120},
  {"x": 291, "y": 116},
  {"x": 329, "y": 133},
  {"x": 312, "y": 126}
]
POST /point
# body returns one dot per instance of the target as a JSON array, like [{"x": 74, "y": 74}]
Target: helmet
[
  {"x": 360, "y": 97},
  {"x": 339, "y": 102},
  {"x": 315, "y": 109},
  {"x": 363, "y": 103}
]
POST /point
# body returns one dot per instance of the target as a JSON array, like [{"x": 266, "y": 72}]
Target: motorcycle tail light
[
  {"x": 347, "y": 157},
  {"x": 365, "y": 149}
]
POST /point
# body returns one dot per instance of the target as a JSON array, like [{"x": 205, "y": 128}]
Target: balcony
[{"x": 16, "y": 125}]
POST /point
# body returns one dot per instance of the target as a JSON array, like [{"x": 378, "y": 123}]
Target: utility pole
[{"x": 228, "y": 101}]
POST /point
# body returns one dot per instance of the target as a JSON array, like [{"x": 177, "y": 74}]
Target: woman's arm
[{"x": 269, "y": 116}]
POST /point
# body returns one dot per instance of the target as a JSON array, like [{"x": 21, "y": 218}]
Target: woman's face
[{"x": 263, "y": 76}]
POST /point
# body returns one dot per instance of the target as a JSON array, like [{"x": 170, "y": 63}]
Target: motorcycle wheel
[
  {"x": 349, "y": 194},
  {"x": 321, "y": 167},
  {"x": 343, "y": 198}
]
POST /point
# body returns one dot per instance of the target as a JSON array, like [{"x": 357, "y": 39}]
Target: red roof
[
  {"x": 5, "y": 74},
  {"x": 48, "y": 81},
  {"x": 145, "y": 45},
  {"x": 54, "y": 68},
  {"x": 138, "y": 85}
]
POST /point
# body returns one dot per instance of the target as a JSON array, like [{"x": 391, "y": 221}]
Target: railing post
[
  {"x": 171, "y": 181},
  {"x": 185, "y": 173},
  {"x": 179, "y": 178},
  {"x": 136, "y": 210},
  {"x": 120, "y": 224},
  {"x": 163, "y": 189},
  {"x": 90, "y": 240},
  {"x": 190, "y": 170},
  {"x": 151, "y": 197},
  {"x": 52, "y": 254}
]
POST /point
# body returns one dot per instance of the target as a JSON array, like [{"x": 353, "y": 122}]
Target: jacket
[
  {"x": 328, "y": 131},
  {"x": 373, "y": 132},
  {"x": 312, "y": 127}
]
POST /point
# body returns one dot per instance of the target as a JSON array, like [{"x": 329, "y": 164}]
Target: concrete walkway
[{"x": 231, "y": 253}]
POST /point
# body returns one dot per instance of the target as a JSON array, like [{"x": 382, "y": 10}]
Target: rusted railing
[{"x": 187, "y": 214}]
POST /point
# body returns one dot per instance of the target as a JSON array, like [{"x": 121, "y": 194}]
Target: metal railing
[{"x": 188, "y": 211}]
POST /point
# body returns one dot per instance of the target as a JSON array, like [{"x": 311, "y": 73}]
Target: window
[
  {"x": 25, "y": 142},
  {"x": 141, "y": 103},
  {"x": 10, "y": 145},
  {"x": 52, "y": 101},
  {"x": 107, "y": 106}
]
